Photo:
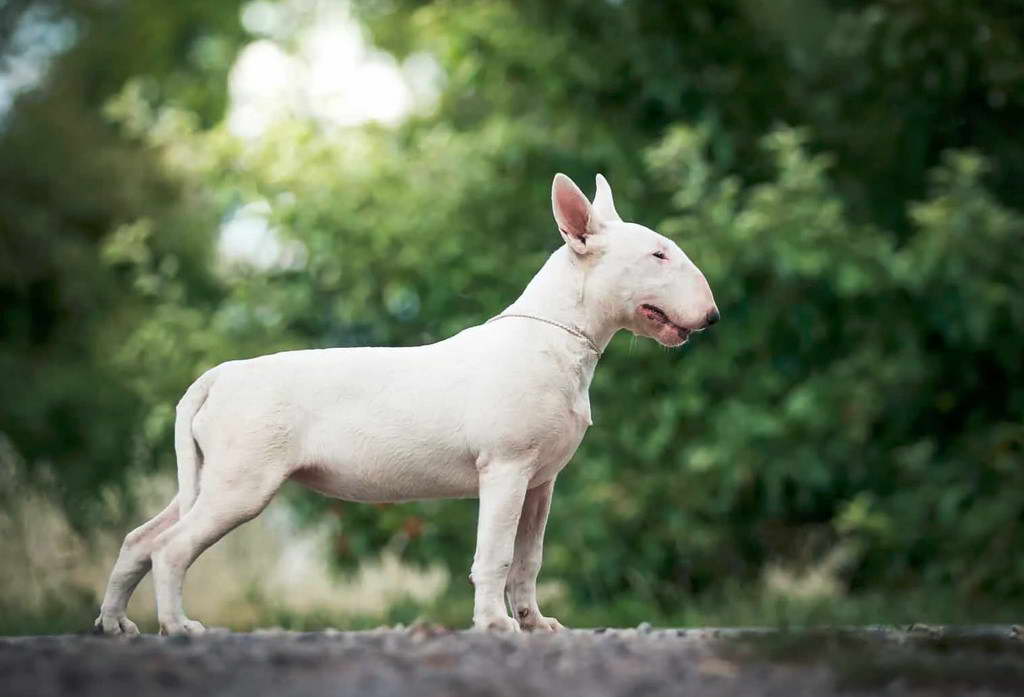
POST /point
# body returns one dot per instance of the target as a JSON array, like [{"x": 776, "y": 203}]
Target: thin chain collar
[{"x": 572, "y": 330}]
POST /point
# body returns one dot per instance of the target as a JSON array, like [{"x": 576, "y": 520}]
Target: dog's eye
[{"x": 660, "y": 255}]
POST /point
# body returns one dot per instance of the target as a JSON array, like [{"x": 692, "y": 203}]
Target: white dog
[{"x": 495, "y": 412}]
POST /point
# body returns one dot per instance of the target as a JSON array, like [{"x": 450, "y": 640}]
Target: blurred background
[{"x": 187, "y": 182}]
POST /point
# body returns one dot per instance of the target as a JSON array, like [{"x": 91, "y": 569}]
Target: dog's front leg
[
  {"x": 529, "y": 549},
  {"x": 502, "y": 490}
]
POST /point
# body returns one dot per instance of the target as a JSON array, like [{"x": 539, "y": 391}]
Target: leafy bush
[{"x": 856, "y": 418}]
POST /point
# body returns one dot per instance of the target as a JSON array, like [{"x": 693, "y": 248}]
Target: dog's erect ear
[
  {"x": 604, "y": 205},
  {"x": 573, "y": 213}
]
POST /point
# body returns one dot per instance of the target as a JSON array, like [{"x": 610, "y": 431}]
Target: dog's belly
[
  {"x": 355, "y": 453},
  {"x": 359, "y": 484},
  {"x": 370, "y": 460}
]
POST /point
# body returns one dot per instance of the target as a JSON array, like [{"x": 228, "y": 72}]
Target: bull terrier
[{"x": 494, "y": 412}]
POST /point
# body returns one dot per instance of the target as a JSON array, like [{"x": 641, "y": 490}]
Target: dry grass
[{"x": 268, "y": 568}]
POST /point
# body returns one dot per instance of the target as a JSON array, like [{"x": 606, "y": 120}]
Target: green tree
[
  {"x": 67, "y": 178},
  {"x": 863, "y": 391}
]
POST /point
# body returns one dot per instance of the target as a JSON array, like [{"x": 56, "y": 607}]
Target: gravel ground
[{"x": 425, "y": 661}]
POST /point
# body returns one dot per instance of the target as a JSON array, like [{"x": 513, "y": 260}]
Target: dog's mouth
[{"x": 666, "y": 331}]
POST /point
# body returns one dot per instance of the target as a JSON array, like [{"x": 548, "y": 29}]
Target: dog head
[{"x": 643, "y": 280}]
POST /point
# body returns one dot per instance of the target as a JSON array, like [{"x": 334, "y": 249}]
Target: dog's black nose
[{"x": 712, "y": 318}]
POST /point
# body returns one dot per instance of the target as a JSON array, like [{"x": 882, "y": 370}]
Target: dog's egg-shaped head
[{"x": 643, "y": 279}]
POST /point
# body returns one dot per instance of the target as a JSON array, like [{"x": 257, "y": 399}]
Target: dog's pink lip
[{"x": 659, "y": 317}]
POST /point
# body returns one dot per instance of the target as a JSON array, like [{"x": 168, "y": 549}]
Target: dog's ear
[
  {"x": 604, "y": 205},
  {"x": 573, "y": 213}
]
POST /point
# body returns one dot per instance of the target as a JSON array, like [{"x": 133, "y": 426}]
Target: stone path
[{"x": 429, "y": 661}]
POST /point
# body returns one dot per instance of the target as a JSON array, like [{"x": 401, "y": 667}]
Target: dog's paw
[
  {"x": 496, "y": 623},
  {"x": 114, "y": 625},
  {"x": 182, "y": 627},
  {"x": 545, "y": 624},
  {"x": 534, "y": 622}
]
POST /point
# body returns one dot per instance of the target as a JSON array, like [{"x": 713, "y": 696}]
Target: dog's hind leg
[
  {"x": 131, "y": 566},
  {"x": 227, "y": 498}
]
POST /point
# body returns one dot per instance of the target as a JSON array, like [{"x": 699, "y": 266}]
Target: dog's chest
[
  {"x": 563, "y": 422},
  {"x": 559, "y": 443}
]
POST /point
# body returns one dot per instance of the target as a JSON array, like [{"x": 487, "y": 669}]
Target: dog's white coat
[{"x": 495, "y": 411}]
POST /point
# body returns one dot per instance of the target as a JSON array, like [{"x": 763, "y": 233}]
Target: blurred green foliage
[
  {"x": 848, "y": 176},
  {"x": 67, "y": 179}
]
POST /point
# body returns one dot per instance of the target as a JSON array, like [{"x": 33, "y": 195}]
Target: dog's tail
[{"x": 185, "y": 447}]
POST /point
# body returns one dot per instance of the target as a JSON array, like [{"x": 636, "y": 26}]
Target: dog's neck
[{"x": 559, "y": 292}]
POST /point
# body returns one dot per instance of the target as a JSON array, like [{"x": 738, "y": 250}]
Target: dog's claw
[
  {"x": 114, "y": 625},
  {"x": 540, "y": 623},
  {"x": 549, "y": 624}
]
